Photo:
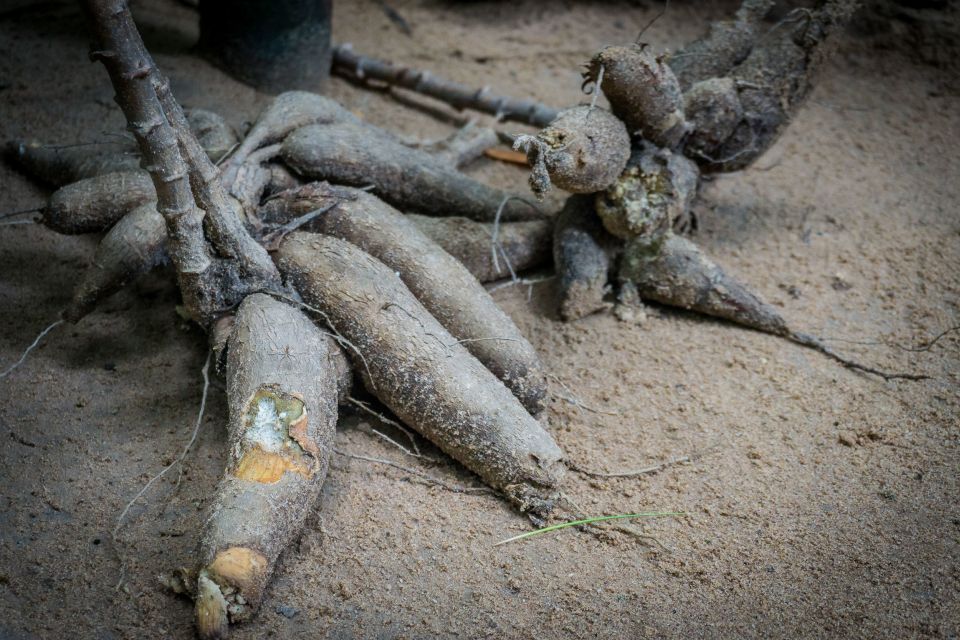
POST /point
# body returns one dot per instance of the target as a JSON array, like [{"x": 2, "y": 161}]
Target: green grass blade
[{"x": 574, "y": 523}]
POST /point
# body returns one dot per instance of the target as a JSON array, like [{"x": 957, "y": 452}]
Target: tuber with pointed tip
[
  {"x": 129, "y": 249},
  {"x": 447, "y": 290},
  {"x": 95, "y": 204},
  {"x": 422, "y": 373},
  {"x": 282, "y": 392},
  {"x": 672, "y": 270}
]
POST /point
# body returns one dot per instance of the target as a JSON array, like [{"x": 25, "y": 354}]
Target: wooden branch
[
  {"x": 190, "y": 196},
  {"x": 352, "y": 65},
  {"x": 225, "y": 225},
  {"x": 122, "y": 52}
]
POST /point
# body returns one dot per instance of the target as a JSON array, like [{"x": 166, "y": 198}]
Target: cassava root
[
  {"x": 422, "y": 373},
  {"x": 582, "y": 251},
  {"x": 441, "y": 284},
  {"x": 359, "y": 155},
  {"x": 57, "y": 165},
  {"x": 282, "y": 388}
]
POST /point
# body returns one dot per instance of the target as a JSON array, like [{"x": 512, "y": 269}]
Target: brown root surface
[
  {"x": 60, "y": 164},
  {"x": 57, "y": 165},
  {"x": 519, "y": 245},
  {"x": 714, "y": 110},
  {"x": 282, "y": 389},
  {"x": 672, "y": 270},
  {"x": 772, "y": 82},
  {"x": 582, "y": 151},
  {"x": 643, "y": 92},
  {"x": 422, "y": 373},
  {"x": 654, "y": 191},
  {"x": 95, "y": 204},
  {"x": 581, "y": 256},
  {"x": 819, "y": 493},
  {"x": 360, "y": 155},
  {"x": 442, "y": 284},
  {"x": 286, "y": 113},
  {"x": 724, "y": 46},
  {"x": 132, "y": 247}
]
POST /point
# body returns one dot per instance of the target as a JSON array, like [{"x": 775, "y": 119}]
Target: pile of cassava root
[{"x": 291, "y": 251}]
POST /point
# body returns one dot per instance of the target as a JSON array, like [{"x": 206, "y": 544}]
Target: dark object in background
[{"x": 273, "y": 45}]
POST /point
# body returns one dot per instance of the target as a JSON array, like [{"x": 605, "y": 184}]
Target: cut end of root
[
  {"x": 210, "y": 610},
  {"x": 229, "y": 590}
]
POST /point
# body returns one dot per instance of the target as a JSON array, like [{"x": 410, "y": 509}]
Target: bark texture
[{"x": 350, "y": 64}]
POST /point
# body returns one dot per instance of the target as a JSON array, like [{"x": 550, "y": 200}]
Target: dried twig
[
  {"x": 355, "y": 66},
  {"x": 816, "y": 343}
]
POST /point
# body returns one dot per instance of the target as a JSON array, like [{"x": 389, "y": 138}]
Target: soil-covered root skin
[
  {"x": 521, "y": 245},
  {"x": 582, "y": 251},
  {"x": 286, "y": 113},
  {"x": 714, "y": 111},
  {"x": 725, "y": 45},
  {"x": 57, "y": 165},
  {"x": 132, "y": 247},
  {"x": 214, "y": 134},
  {"x": 771, "y": 84},
  {"x": 672, "y": 270},
  {"x": 282, "y": 389},
  {"x": 95, "y": 204},
  {"x": 359, "y": 155},
  {"x": 444, "y": 286},
  {"x": 643, "y": 92},
  {"x": 420, "y": 371},
  {"x": 582, "y": 151},
  {"x": 655, "y": 190}
]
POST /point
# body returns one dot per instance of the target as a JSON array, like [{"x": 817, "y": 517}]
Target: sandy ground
[{"x": 819, "y": 502}]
